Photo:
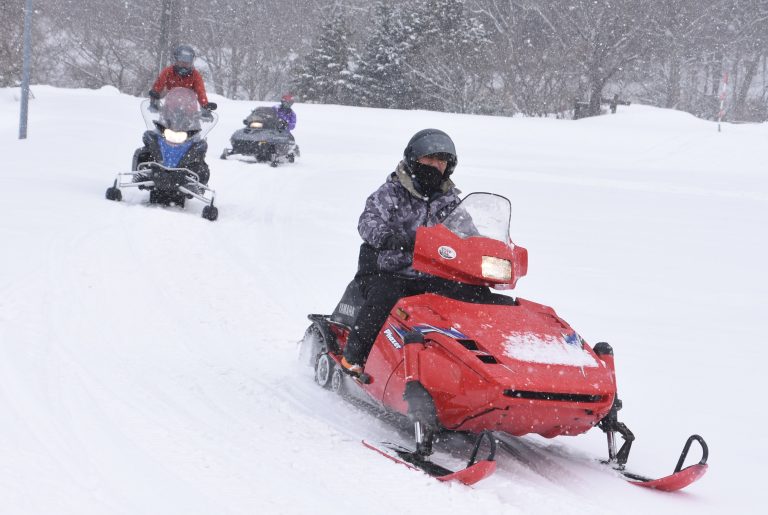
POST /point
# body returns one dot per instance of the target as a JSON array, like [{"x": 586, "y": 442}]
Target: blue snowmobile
[{"x": 171, "y": 164}]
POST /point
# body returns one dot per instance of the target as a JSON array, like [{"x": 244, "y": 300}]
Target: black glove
[
  {"x": 398, "y": 242},
  {"x": 206, "y": 115},
  {"x": 154, "y": 101},
  {"x": 282, "y": 125},
  {"x": 211, "y": 106}
]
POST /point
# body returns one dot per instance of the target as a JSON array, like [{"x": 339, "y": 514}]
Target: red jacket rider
[{"x": 181, "y": 74}]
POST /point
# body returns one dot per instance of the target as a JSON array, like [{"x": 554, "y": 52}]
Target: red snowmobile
[{"x": 479, "y": 362}]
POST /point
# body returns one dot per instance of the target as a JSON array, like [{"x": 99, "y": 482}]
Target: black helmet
[
  {"x": 428, "y": 142},
  {"x": 184, "y": 54}
]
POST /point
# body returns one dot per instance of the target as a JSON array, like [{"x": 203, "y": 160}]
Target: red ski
[
  {"x": 681, "y": 477},
  {"x": 475, "y": 471}
]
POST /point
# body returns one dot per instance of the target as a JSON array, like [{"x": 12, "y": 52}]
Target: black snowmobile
[
  {"x": 171, "y": 164},
  {"x": 265, "y": 138}
]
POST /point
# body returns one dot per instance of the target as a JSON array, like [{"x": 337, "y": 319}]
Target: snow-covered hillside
[{"x": 148, "y": 356}]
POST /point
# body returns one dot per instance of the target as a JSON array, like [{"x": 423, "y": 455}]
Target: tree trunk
[
  {"x": 740, "y": 100},
  {"x": 595, "y": 96},
  {"x": 673, "y": 83}
]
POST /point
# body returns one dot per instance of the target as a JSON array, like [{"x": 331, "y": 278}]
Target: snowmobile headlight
[
  {"x": 256, "y": 125},
  {"x": 175, "y": 136},
  {"x": 496, "y": 268}
]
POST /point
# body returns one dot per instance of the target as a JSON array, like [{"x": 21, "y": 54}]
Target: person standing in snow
[
  {"x": 181, "y": 74},
  {"x": 418, "y": 193}
]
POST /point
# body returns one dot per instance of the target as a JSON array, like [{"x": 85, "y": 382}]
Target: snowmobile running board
[
  {"x": 475, "y": 471},
  {"x": 681, "y": 477}
]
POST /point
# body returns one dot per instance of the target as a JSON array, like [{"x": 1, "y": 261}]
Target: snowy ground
[{"x": 148, "y": 356}]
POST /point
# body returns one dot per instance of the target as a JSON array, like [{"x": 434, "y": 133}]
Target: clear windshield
[
  {"x": 481, "y": 214},
  {"x": 179, "y": 111},
  {"x": 262, "y": 118}
]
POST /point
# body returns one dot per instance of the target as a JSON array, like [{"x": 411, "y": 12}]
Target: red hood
[{"x": 526, "y": 347}]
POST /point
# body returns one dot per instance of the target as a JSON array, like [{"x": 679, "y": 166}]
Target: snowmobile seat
[{"x": 348, "y": 307}]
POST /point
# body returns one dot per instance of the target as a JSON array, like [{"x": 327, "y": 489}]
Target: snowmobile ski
[
  {"x": 475, "y": 471},
  {"x": 678, "y": 480},
  {"x": 681, "y": 477}
]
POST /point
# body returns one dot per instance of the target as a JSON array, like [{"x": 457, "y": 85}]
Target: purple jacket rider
[{"x": 287, "y": 115}]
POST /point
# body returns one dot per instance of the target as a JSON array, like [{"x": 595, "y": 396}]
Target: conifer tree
[
  {"x": 451, "y": 67},
  {"x": 323, "y": 75},
  {"x": 383, "y": 78}
]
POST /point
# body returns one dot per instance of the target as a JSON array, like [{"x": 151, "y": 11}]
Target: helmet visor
[{"x": 184, "y": 56}]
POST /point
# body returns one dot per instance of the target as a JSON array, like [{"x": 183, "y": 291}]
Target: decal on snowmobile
[
  {"x": 391, "y": 338},
  {"x": 347, "y": 309},
  {"x": 446, "y": 252},
  {"x": 573, "y": 339},
  {"x": 451, "y": 332},
  {"x": 395, "y": 330}
]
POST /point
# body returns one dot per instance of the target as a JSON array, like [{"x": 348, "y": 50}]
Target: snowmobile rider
[
  {"x": 181, "y": 74},
  {"x": 175, "y": 141},
  {"x": 419, "y": 192},
  {"x": 285, "y": 113}
]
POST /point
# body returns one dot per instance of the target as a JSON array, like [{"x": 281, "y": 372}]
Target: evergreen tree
[
  {"x": 451, "y": 67},
  {"x": 324, "y": 75},
  {"x": 383, "y": 78}
]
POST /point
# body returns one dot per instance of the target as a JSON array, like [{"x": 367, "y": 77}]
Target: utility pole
[
  {"x": 162, "y": 47},
  {"x": 170, "y": 26},
  {"x": 723, "y": 92},
  {"x": 25, "y": 70}
]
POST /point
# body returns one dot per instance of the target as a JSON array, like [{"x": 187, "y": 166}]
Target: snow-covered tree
[
  {"x": 324, "y": 75},
  {"x": 530, "y": 76},
  {"x": 382, "y": 77},
  {"x": 601, "y": 38},
  {"x": 451, "y": 66},
  {"x": 11, "y": 43}
]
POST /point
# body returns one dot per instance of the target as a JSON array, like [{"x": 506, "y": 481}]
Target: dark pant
[{"x": 383, "y": 290}]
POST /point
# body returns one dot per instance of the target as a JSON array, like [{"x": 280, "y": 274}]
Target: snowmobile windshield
[
  {"x": 179, "y": 112},
  {"x": 481, "y": 214},
  {"x": 262, "y": 118}
]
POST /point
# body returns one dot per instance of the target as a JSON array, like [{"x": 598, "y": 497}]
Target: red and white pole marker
[{"x": 723, "y": 91}]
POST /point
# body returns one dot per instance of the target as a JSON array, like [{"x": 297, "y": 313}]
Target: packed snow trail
[{"x": 148, "y": 356}]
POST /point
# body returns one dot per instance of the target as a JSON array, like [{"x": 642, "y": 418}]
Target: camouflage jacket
[{"x": 397, "y": 208}]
